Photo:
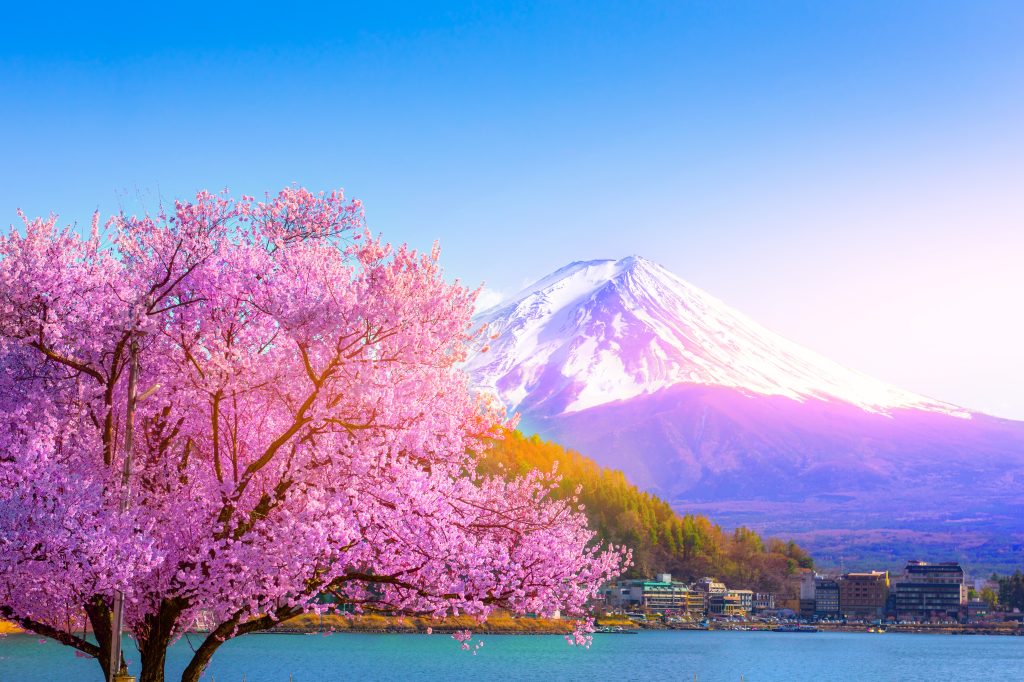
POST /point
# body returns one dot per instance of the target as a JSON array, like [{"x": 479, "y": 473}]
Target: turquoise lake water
[{"x": 713, "y": 656}]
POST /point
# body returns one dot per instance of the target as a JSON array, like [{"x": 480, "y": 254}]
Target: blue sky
[{"x": 849, "y": 174}]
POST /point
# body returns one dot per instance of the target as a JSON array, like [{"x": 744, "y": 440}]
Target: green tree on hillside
[{"x": 1011, "y": 591}]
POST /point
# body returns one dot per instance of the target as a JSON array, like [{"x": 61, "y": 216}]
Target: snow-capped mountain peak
[{"x": 595, "y": 332}]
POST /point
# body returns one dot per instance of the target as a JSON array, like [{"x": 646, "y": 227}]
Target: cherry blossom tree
[{"x": 228, "y": 410}]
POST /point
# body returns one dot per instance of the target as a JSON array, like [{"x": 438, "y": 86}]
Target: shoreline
[
  {"x": 311, "y": 624},
  {"x": 1011, "y": 629},
  {"x": 507, "y": 625}
]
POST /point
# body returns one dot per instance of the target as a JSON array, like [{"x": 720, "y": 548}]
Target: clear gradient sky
[{"x": 851, "y": 174}]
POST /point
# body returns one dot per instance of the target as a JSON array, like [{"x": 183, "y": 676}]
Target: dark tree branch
[
  {"x": 45, "y": 630},
  {"x": 74, "y": 364}
]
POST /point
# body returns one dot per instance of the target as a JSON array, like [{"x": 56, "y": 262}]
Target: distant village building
[
  {"x": 623, "y": 594},
  {"x": 709, "y": 585},
  {"x": 763, "y": 601},
  {"x": 694, "y": 605},
  {"x": 806, "y": 577},
  {"x": 826, "y": 597},
  {"x": 864, "y": 595},
  {"x": 709, "y": 589},
  {"x": 726, "y": 603},
  {"x": 807, "y": 585},
  {"x": 977, "y": 610},
  {"x": 662, "y": 594},
  {"x": 930, "y": 591},
  {"x": 746, "y": 600},
  {"x": 819, "y": 595},
  {"x": 924, "y": 592}
]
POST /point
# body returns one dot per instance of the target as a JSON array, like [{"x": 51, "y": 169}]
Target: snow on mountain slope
[
  {"x": 697, "y": 403},
  {"x": 601, "y": 331}
]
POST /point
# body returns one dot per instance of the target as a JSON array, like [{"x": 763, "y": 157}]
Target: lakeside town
[{"x": 926, "y": 596}]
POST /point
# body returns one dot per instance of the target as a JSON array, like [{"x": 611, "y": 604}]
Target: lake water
[{"x": 666, "y": 655}]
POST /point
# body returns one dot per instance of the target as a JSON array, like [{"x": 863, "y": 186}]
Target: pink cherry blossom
[{"x": 300, "y": 428}]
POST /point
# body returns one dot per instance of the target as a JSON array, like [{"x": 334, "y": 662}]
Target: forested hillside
[{"x": 688, "y": 546}]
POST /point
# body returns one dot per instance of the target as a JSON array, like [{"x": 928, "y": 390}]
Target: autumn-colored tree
[
  {"x": 687, "y": 545},
  {"x": 229, "y": 409},
  {"x": 990, "y": 596}
]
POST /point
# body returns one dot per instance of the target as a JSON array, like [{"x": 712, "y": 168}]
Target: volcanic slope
[{"x": 694, "y": 401}]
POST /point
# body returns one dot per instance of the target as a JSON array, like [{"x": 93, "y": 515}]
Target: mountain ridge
[
  {"x": 697, "y": 403},
  {"x": 616, "y": 329}
]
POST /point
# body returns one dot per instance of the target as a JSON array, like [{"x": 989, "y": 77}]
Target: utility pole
[{"x": 117, "y": 673}]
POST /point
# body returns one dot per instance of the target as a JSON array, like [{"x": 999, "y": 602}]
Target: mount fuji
[{"x": 694, "y": 401}]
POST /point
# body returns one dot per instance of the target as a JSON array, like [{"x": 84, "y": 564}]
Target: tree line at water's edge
[{"x": 688, "y": 546}]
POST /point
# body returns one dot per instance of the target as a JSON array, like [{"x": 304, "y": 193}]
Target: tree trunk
[
  {"x": 153, "y": 658},
  {"x": 205, "y": 652},
  {"x": 98, "y": 612},
  {"x": 154, "y": 636}
]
